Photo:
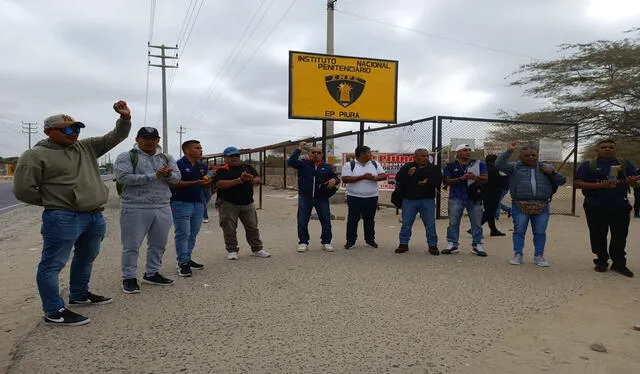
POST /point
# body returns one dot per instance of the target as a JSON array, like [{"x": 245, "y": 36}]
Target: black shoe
[
  {"x": 130, "y": 285},
  {"x": 479, "y": 252},
  {"x": 600, "y": 267},
  {"x": 349, "y": 245},
  {"x": 91, "y": 299},
  {"x": 402, "y": 248},
  {"x": 157, "y": 279},
  {"x": 497, "y": 233},
  {"x": 65, "y": 317},
  {"x": 372, "y": 244},
  {"x": 185, "y": 270},
  {"x": 433, "y": 250},
  {"x": 195, "y": 266},
  {"x": 622, "y": 270},
  {"x": 469, "y": 232}
]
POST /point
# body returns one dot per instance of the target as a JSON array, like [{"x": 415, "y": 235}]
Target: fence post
[
  {"x": 263, "y": 180},
  {"x": 439, "y": 158},
  {"x": 284, "y": 167},
  {"x": 575, "y": 165},
  {"x": 361, "y": 134}
]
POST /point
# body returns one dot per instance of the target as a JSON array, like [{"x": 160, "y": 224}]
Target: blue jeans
[
  {"x": 305, "y": 205},
  {"x": 206, "y": 197},
  {"x": 538, "y": 226},
  {"x": 456, "y": 210},
  {"x": 62, "y": 230},
  {"x": 187, "y": 219},
  {"x": 427, "y": 210}
]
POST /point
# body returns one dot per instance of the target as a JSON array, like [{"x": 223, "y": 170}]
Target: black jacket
[{"x": 411, "y": 190}]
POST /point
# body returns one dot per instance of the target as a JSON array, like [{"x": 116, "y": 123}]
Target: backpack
[
  {"x": 353, "y": 164},
  {"x": 133, "y": 156}
]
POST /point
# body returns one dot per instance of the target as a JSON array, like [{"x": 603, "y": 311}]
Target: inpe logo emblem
[{"x": 345, "y": 89}]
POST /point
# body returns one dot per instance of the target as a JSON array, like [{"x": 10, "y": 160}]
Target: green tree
[{"x": 596, "y": 85}]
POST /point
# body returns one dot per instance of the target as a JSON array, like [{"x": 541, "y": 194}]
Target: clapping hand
[
  {"x": 331, "y": 183},
  {"x": 546, "y": 170},
  {"x": 246, "y": 177},
  {"x": 411, "y": 171},
  {"x": 424, "y": 181}
]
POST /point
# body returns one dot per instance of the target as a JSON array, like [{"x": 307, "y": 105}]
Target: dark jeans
[
  {"x": 636, "y": 201},
  {"x": 600, "y": 221},
  {"x": 491, "y": 201},
  {"x": 305, "y": 206},
  {"x": 361, "y": 207}
]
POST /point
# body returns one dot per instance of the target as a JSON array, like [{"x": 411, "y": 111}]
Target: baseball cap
[
  {"x": 148, "y": 132},
  {"x": 463, "y": 146},
  {"x": 61, "y": 121},
  {"x": 229, "y": 151}
]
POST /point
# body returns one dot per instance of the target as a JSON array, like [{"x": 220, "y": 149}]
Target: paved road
[{"x": 8, "y": 201}]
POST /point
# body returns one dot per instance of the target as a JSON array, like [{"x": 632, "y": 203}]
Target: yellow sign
[{"x": 342, "y": 88}]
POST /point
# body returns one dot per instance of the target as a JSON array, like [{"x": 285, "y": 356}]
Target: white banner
[{"x": 550, "y": 150}]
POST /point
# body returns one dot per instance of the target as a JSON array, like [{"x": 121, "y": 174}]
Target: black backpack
[{"x": 353, "y": 164}]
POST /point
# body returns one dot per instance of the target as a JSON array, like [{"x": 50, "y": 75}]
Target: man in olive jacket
[{"x": 61, "y": 174}]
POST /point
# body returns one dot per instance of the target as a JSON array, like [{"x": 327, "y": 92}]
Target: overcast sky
[{"x": 78, "y": 57}]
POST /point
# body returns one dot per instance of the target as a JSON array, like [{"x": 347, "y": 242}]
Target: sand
[{"x": 359, "y": 311}]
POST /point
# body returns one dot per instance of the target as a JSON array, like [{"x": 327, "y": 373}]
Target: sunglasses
[
  {"x": 70, "y": 130},
  {"x": 316, "y": 152}
]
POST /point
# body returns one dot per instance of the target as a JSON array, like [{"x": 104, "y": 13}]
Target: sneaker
[
  {"x": 327, "y": 247},
  {"x": 261, "y": 253},
  {"x": 600, "y": 267},
  {"x": 451, "y": 249},
  {"x": 157, "y": 279},
  {"x": 302, "y": 247},
  {"x": 91, "y": 299},
  {"x": 232, "y": 255},
  {"x": 622, "y": 270},
  {"x": 349, "y": 245},
  {"x": 402, "y": 248},
  {"x": 497, "y": 233},
  {"x": 195, "y": 266},
  {"x": 372, "y": 244},
  {"x": 433, "y": 250},
  {"x": 479, "y": 250},
  {"x": 185, "y": 270},
  {"x": 65, "y": 317},
  {"x": 206, "y": 220},
  {"x": 130, "y": 285},
  {"x": 540, "y": 261},
  {"x": 516, "y": 260}
]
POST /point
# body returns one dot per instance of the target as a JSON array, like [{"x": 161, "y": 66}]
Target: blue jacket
[
  {"x": 311, "y": 178},
  {"x": 520, "y": 179}
]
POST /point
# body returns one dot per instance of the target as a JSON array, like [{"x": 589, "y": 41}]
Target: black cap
[{"x": 148, "y": 132}]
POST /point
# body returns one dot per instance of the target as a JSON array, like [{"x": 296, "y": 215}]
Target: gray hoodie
[
  {"x": 142, "y": 188},
  {"x": 66, "y": 178}
]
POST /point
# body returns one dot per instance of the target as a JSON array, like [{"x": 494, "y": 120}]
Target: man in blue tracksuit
[
  {"x": 317, "y": 181},
  {"x": 532, "y": 184}
]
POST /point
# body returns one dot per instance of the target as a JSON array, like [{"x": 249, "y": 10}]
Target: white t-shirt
[{"x": 363, "y": 188}]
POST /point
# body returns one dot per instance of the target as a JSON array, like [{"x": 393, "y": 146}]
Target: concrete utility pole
[
  {"x": 164, "y": 66},
  {"x": 181, "y": 131},
  {"x": 331, "y": 4},
  {"x": 29, "y": 128}
]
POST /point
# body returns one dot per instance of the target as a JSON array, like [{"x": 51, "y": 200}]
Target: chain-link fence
[
  {"x": 557, "y": 144},
  {"x": 393, "y": 145}
]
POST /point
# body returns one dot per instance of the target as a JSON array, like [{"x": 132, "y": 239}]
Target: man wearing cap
[
  {"x": 316, "y": 181},
  {"x": 418, "y": 182},
  {"x": 362, "y": 176},
  {"x": 145, "y": 174},
  {"x": 464, "y": 177},
  {"x": 234, "y": 182},
  {"x": 188, "y": 205},
  {"x": 61, "y": 174}
]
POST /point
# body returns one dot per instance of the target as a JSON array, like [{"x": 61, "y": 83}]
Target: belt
[{"x": 96, "y": 210}]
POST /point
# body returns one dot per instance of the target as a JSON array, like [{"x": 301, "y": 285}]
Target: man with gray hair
[
  {"x": 532, "y": 185},
  {"x": 146, "y": 174}
]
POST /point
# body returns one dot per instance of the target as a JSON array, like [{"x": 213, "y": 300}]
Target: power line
[
  {"x": 187, "y": 15},
  {"x": 436, "y": 36},
  {"x": 252, "y": 56},
  {"x": 233, "y": 55},
  {"x": 152, "y": 16}
]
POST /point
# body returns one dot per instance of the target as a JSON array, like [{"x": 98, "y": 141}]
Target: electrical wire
[{"x": 152, "y": 17}]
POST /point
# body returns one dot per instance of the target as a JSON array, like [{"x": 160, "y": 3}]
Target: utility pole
[
  {"x": 181, "y": 131},
  {"x": 163, "y": 57},
  {"x": 29, "y": 128},
  {"x": 331, "y": 5}
]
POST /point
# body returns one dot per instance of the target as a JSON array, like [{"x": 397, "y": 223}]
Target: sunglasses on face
[
  {"x": 316, "y": 152},
  {"x": 70, "y": 130}
]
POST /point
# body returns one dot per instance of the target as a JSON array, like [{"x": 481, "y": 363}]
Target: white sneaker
[
  {"x": 261, "y": 253},
  {"x": 516, "y": 260},
  {"x": 206, "y": 220},
  {"x": 479, "y": 250},
  {"x": 451, "y": 249},
  {"x": 232, "y": 255},
  {"x": 540, "y": 261},
  {"x": 302, "y": 247},
  {"x": 327, "y": 247}
]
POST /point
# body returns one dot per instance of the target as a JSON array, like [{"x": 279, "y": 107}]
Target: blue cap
[{"x": 231, "y": 151}]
